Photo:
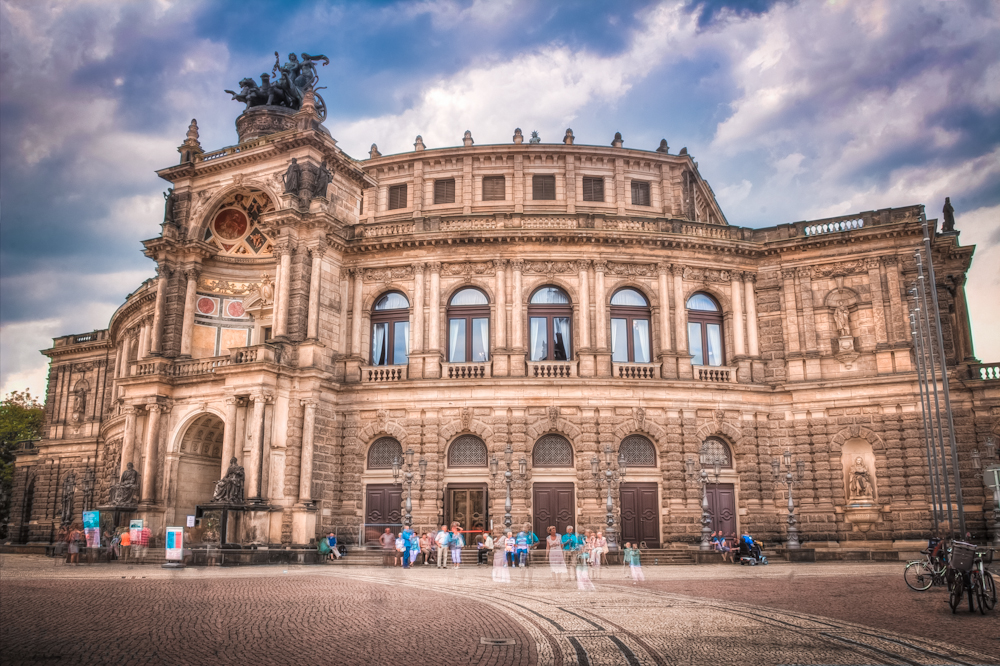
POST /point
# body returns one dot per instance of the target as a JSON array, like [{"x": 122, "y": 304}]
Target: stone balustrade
[
  {"x": 985, "y": 371},
  {"x": 256, "y": 354},
  {"x": 466, "y": 370},
  {"x": 715, "y": 373},
  {"x": 635, "y": 371},
  {"x": 371, "y": 374},
  {"x": 551, "y": 369}
]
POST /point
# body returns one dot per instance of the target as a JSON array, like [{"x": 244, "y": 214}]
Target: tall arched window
[
  {"x": 552, "y": 451},
  {"x": 638, "y": 451},
  {"x": 629, "y": 327},
  {"x": 391, "y": 330},
  {"x": 468, "y": 327},
  {"x": 549, "y": 317},
  {"x": 383, "y": 452},
  {"x": 705, "y": 330}
]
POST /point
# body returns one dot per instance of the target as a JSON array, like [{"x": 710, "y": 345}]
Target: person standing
[
  {"x": 480, "y": 548},
  {"x": 414, "y": 545},
  {"x": 126, "y": 542},
  {"x": 74, "y": 546},
  {"x": 632, "y": 558},
  {"x": 524, "y": 540},
  {"x": 388, "y": 543},
  {"x": 501, "y": 574},
  {"x": 404, "y": 545},
  {"x": 553, "y": 548},
  {"x": 142, "y": 546},
  {"x": 442, "y": 538},
  {"x": 456, "y": 541},
  {"x": 571, "y": 547}
]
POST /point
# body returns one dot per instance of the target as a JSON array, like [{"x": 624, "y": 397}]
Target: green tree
[{"x": 21, "y": 418}]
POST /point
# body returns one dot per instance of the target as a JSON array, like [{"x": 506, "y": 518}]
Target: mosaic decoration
[
  {"x": 207, "y": 306},
  {"x": 552, "y": 451},
  {"x": 235, "y": 309},
  {"x": 235, "y": 228},
  {"x": 638, "y": 451},
  {"x": 382, "y": 453},
  {"x": 467, "y": 451}
]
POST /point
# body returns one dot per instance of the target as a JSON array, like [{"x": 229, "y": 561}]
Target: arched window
[
  {"x": 391, "y": 330},
  {"x": 549, "y": 317},
  {"x": 638, "y": 451},
  {"x": 705, "y": 330},
  {"x": 552, "y": 451},
  {"x": 713, "y": 449},
  {"x": 468, "y": 327},
  {"x": 467, "y": 451},
  {"x": 383, "y": 452},
  {"x": 630, "y": 327}
]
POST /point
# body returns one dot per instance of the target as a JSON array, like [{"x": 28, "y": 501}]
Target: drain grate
[{"x": 497, "y": 642}]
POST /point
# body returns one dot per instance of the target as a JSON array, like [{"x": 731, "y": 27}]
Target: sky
[{"x": 794, "y": 111}]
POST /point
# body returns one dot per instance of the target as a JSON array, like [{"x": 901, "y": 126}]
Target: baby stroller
[{"x": 750, "y": 552}]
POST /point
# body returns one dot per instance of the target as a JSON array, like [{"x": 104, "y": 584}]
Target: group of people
[{"x": 405, "y": 548}]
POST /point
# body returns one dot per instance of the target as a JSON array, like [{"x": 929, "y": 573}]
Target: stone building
[{"x": 315, "y": 316}]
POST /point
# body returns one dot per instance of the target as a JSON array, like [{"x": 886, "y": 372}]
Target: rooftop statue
[{"x": 291, "y": 81}]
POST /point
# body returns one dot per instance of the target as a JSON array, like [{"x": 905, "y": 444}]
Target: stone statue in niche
[
  {"x": 69, "y": 490},
  {"x": 949, "y": 216},
  {"x": 323, "y": 179},
  {"x": 860, "y": 483},
  {"x": 79, "y": 403},
  {"x": 123, "y": 492},
  {"x": 229, "y": 489},
  {"x": 292, "y": 177},
  {"x": 168, "y": 207},
  {"x": 842, "y": 318}
]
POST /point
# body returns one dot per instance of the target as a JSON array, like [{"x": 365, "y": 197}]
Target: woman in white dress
[{"x": 554, "y": 549}]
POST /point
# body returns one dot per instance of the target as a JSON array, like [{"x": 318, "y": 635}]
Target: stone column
[
  {"x": 736, "y": 291},
  {"x": 315, "y": 284},
  {"x": 500, "y": 286},
  {"x": 190, "y": 298},
  {"x": 680, "y": 311},
  {"x": 791, "y": 309},
  {"x": 963, "y": 324},
  {"x": 435, "y": 309},
  {"x": 144, "y": 341},
  {"x": 156, "y": 339},
  {"x": 128, "y": 440},
  {"x": 253, "y": 489},
  {"x": 583, "y": 268},
  {"x": 663, "y": 269},
  {"x": 151, "y": 455},
  {"x": 874, "y": 267},
  {"x": 517, "y": 306},
  {"x": 751, "y": 306},
  {"x": 804, "y": 274},
  {"x": 358, "y": 275},
  {"x": 306, "y": 459},
  {"x": 900, "y": 323},
  {"x": 600, "y": 309},
  {"x": 119, "y": 360},
  {"x": 229, "y": 434},
  {"x": 417, "y": 334},
  {"x": 283, "y": 290}
]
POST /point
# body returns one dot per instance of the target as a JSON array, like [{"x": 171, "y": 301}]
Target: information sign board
[
  {"x": 190, "y": 522},
  {"x": 175, "y": 544},
  {"x": 134, "y": 528},
  {"x": 92, "y": 528}
]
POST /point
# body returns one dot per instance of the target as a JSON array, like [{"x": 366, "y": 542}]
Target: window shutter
[
  {"x": 444, "y": 191},
  {"x": 593, "y": 189},
  {"x": 493, "y": 188},
  {"x": 397, "y": 197},
  {"x": 543, "y": 188},
  {"x": 640, "y": 193}
]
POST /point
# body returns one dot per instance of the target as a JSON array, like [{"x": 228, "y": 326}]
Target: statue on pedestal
[
  {"x": 949, "y": 216},
  {"x": 229, "y": 489},
  {"x": 123, "y": 492},
  {"x": 69, "y": 490},
  {"x": 861, "y": 483},
  {"x": 292, "y": 177},
  {"x": 842, "y": 319}
]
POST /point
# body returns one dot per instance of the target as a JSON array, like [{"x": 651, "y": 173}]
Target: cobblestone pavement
[{"x": 360, "y": 615}]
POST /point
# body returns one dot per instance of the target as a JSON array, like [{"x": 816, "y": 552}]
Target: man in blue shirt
[
  {"x": 524, "y": 540},
  {"x": 571, "y": 543},
  {"x": 407, "y": 536}
]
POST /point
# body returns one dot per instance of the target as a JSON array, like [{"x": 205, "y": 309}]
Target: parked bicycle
[
  {"x": 971, "y": 578},
  {"x": 920, "y": 575}
]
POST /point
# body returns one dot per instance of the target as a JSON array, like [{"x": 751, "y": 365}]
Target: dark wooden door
[
  {"x": 383, "y": 508},
  {"x": 468, "y": 504},
  {"x": 722, "y": 507},
  {"x": 640, "y": 514},
  {"x": 553, "y": 504}
]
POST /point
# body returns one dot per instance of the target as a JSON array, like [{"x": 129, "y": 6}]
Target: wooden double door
[
  {"x": 722, "y": 507},
  {"x": 640, "y": 514},
  {"x": 468, "y": 504},
  {"x": 553, "y": 504}
]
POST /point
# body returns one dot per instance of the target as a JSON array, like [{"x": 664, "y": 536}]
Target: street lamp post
[
  {"x": 609, "y": 476},
  {"x": 508, "y": 476},
  {"x": 991, "y": 479},
  {"x": 408, "y": 480},
  {"x": 790, "y": 480},
  {"x": 700, "y": 475}
]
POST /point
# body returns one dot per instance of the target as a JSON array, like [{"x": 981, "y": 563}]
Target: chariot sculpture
[{"x": 286, "y": 85}]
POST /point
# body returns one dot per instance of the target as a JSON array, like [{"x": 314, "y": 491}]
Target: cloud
[{"x": 981, "y": 227}]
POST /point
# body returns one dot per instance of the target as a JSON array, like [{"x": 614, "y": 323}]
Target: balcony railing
[
  {"x": 551, "y": 369},
  {"x": 257, "y": 354},
  {"x": 985, "y": 371},
  {"x": 715, "y": 373},
  {"x": 635, "y": 371},
  {"x": 371, "y": 374},
  {"x": 205, "y": 366},
  {"x": 466, "y": 370}
]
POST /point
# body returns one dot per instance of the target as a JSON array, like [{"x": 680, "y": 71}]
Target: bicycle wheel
[
  {"x": 977, "y": 590},
  {"x": 991, "y": 590},
  {"x": 955, "y": 596},
  {"x": 917, "y": 576}
]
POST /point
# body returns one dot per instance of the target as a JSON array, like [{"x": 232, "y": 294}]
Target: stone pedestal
[
  {"x": 303, "y": 525},
  {"x": 588, "y": 363},
  {"x": 310, "y": 354},
  {"x": 602, "y": 364},
  {"x": 862, "y": 514},
  {"x": 255, "y": 527},
  {"x": 352, "y": 370}
]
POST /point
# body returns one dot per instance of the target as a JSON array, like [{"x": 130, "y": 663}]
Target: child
[{"x": 632, "y": 555}]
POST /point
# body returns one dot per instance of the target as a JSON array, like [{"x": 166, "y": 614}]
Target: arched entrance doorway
[{"x": 199, "y": 465}]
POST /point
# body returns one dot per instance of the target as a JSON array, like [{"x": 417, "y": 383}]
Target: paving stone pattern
[{"x": 371, "y": 615}]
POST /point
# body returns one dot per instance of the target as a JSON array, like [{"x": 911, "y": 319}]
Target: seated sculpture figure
[
  {"x": 123, "y": 492},
  {"x": 229, "y": 489}
]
